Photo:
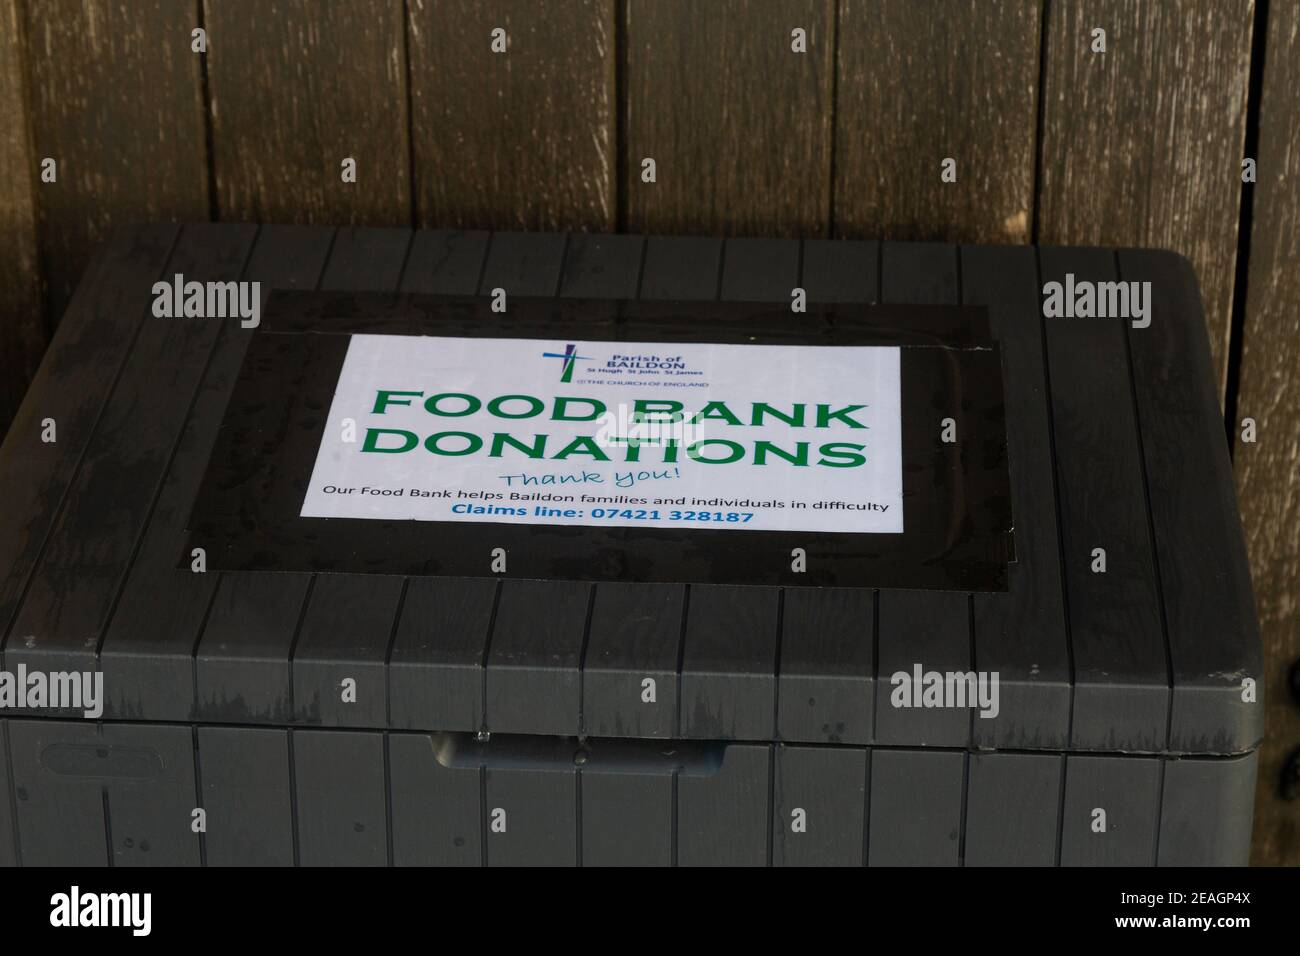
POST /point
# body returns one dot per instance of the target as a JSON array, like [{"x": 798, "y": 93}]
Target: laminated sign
[
  {"x": 734, "y": 438},
  {"x": 419, "y": 435}
]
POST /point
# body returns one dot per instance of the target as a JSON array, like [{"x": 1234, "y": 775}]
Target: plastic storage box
[{"x": 355, "y": 692}]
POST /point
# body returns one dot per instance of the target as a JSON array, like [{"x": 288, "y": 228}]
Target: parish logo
[{"x": 570, "y": 356}]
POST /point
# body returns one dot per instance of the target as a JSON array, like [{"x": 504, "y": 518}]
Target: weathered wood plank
[
  {"x": 1142, "y": 144},
  {"x": 296, "y": 88},
  {"x": 22, "y": 329},
  {"x": 523, "y": 139},
  {"x": 739, "y": 125},
  {"x": 920, "y": 82},
  {"x": 1268, "y": 471},
  {"x": 115, "y": 99}
]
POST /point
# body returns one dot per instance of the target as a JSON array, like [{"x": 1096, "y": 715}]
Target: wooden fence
[{"x": 1053, "y": 142}]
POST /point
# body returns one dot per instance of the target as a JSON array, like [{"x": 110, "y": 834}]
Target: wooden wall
[
  {"x": 1053, "y": 143},
  {"x": 1268, "y": 469}
]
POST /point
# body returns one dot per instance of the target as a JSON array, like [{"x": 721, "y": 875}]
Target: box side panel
[
  {"x": 1201, "y": 554},
  {"x": 915, "y": 811},
  {"x": 1207, "y": 811},
  {"x": 8, "y": 843},
  {"x": 437, "y": 817},
  {"x": 248, "y": 796},
  {"x": 1013, "y": 809},
  {"x": 820, "y": 799},
  {"x": 723, "y": 819},
  {"x": 1109, "y": 817}
]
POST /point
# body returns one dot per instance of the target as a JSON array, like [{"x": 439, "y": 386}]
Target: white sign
[{"x": 642, "y": 434}]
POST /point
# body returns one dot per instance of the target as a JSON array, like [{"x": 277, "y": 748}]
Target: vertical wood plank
[
  {"x": 920, "y": 81},
  {"x": 297, "y": 87},
  {"x": 115, "y": 99},
  {"x": 1268, "y": 471},
  {"x": 1142, "y": 145},
  {"x": 523, "y": 139},
  {"x": 22, "y": 330},
  {"x": 739, "y": 125}
]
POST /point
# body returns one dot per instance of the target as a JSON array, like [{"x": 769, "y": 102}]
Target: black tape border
[{"x": 957, "y": 496}]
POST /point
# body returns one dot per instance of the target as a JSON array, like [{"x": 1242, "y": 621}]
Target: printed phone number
[{"x": 628, "y": 514}]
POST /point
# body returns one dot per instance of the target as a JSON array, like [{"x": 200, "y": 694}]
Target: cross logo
[{"x": 570, "y": 356}]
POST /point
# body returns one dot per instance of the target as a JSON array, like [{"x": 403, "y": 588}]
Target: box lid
[{"x": 1113, "y": 444}]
